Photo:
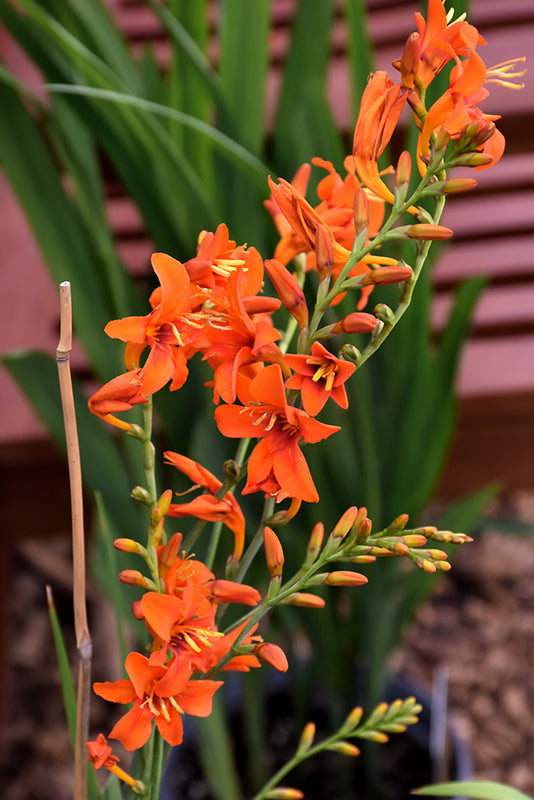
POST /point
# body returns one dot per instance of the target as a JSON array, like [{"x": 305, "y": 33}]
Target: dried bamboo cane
[{"x": 83, "y": 639}]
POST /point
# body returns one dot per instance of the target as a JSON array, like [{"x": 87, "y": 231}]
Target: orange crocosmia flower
[
  {"x": 434, "y": 44},
  {"x": 207, "y": 506},
  {"x": 174, "y": 323},
  {"x": 319, "y": 376},
  {"x": 241, "y": 336},
  {"x": 185, "y": 624},
  {"x": 276, "y": 465},
  {"x": 119, "y": 394},
  {"x": 300, "y": 183},
  {"x": 158, "y": 694},
  {"x": 458, "y": 107},
  {"x": 381, "y": 106},
  {"x": 304, "y": 222}
]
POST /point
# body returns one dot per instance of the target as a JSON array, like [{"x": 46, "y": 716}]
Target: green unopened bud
[
  {"x": 128, "y": 546},
  {"x": 384, "y": 313},
  {"x": 350, "y": 353},
  {"x": 473, "y": 160},
  {"x": 141, "y": 494}
]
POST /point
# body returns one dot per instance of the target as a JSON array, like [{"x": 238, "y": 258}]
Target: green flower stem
[
  {"x": 256, "y": 543},
  {"x": 149, "y": 453},
  {"x": 156, "y": 766}
]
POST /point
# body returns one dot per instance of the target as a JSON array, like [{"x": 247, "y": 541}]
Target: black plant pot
[{"x": 406, "y": 761}]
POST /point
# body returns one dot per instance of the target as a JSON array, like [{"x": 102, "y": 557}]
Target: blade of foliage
[
  {"x": 215, "y": 750},
  {"x": 360, "y": 49},
  {"x": 478, "y": 790},
  {"x": 67, "y": 247},
  {"x": 304, "y": 126}
]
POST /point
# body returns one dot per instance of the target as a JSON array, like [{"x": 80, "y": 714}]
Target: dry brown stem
[{"x": 83, "y": 639}]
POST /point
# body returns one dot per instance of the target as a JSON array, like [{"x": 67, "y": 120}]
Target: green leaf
[
  {"x": 67, "y": 684},
  {"x": 479, "y": 790}
]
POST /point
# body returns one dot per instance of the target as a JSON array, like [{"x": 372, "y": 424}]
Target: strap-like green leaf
[{"x": 478, "y": 790}]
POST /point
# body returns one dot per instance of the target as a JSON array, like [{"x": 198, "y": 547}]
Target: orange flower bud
[
  {"x": 222, "y": 591},
  {"x": 344, "y": 577},
  {"x": 305, "y": 600},
  {"x": 274, "y": 555},
  {"x": 353, "y": 719},
  {"x": 409, "y": 63},
  {"x": 426, "y": 232},
  {"x": 455, "y": 185},
  {"x": 316, "y": 538},
  {"x": 134, "y": 578},
  {"x": 128, "y": 546},
  {"x": 273, "y": 655},
  {"x": 324, "y": 252},
  {"x": 284, "y": 793},
  {"x": 307, "y": 737},
  {"x": 404, "y": 168},
  {"x": 364, "y": 529},
  {"x": 384, "y": 275},
  {"x": 361, "y": 211},
  {"x": 473, "y": 160},
  {"x": 357, "y": 322},
  {"x": 345, "y": 748},
  {"x": 345, "y": 523},
  {"x": 414, "y": 540},
  {"x": 288, "y": 290}
]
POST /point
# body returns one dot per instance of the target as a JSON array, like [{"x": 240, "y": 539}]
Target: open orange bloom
[
  {"x": 319, "y": 376},
  {"x": 174, "y": 323},
  {"x": 158, "y": 694},
  {"x": 207, "y": 506},
  {"x": 276, "y": 465}
]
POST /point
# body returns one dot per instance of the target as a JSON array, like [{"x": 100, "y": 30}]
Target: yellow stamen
[
  {"x": 164, "y": 710},
  {"x": 501, "y": 73}
]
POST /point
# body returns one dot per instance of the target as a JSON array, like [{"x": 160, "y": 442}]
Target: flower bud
[
  {"x": 364, "y": 529},
  {"x": 414, "y": 540},
  {"x": 324, "y": 252},
  {"x": 284, "y": 793},
  {"x": 128, "y": 546},
  {"x": 231, "y": 470},
  {"x": 385, "y": 275},
  {"x": 306, "y": 739},
  {"x": 345, "y": 577},
  {"x": 273, "y": 655},
  {"x": 288, "y": 290},
  {"x": 427, "y": 232},
  {"x": 350, "y": 353},
  {"x": 305, "y": 600},
  {"x": 316, "y": 539},
  {"x": 141, "y": 494},
  {"x": 361, "y": 211},
  {"x": 353, "y": 719},
  {"x": 455, "y": 185},
  {"x": 384, "y": 314},
  {"x": 345, "y": 523},
  {"x": 357, "y": 322},
  {"x": 345, "y": 748},
  {"x": 398, "y": 524},
  {"x": 134, "y": 578},
  {"x": 274, "y": 555},
  {"x": 404, "y": 169},
  {"x": 409, "y": 63},
  {"x": 473, "y": 160}
]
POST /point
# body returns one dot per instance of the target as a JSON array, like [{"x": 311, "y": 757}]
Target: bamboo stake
[{"x": 83, "y": 639}]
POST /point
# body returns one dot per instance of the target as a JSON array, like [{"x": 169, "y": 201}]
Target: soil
[{"x": 477, "y": 632}]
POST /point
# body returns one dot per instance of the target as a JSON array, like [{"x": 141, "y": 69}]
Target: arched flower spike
[{"x": 119, "y": 394}]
